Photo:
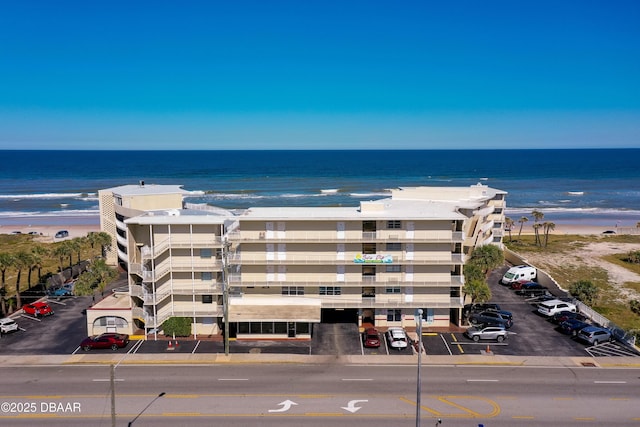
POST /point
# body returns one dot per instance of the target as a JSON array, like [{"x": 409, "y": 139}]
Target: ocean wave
[
  {"x": 372, "y": 194},
  {"x": 49, "y": 196},
  {"x": 70, "y": 212}
]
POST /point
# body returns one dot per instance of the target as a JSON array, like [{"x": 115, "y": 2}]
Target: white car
[
  {"x": 397, "y": 338},
  {"x": 549, "y": 308},
  {"x": 8, "y": 325}
]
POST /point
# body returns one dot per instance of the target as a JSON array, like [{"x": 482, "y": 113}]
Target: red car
[
  {"x": 519, "y": 285},
  {"x": 371, "y": 338},
  {"x": 112, "y": 341},
  {"x": 37, "y": 309}
]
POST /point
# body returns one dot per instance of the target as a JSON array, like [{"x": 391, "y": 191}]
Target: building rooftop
[
  {"x": 182, "y": 216},
  {"x": 143, "y": 189}
]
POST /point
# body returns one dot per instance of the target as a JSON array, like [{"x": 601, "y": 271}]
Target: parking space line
[
  {"x": 453, "y": 336},
  {"x": 196, "y": 347}
]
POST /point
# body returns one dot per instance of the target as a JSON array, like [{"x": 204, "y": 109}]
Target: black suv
[{"x": 501, "y": 317}]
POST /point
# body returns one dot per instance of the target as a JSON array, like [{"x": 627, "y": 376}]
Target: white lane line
[
  {"x": 357, "y": 379},
  {"x": 233, "y": 379},
  {"x": 482, "y": 381},
  {"x": 609, "y": 382}
]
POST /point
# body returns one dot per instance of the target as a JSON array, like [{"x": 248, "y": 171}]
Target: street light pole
[
  {"x": 419, "y": 381},
  {"x": 145, "y": 408}
]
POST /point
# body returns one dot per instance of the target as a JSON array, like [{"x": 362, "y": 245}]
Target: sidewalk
[{"x": 263, "y": 358}]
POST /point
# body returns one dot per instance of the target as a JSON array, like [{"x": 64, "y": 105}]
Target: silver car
[
  {"x": 477, "y": 333},
  {"x": 594, "y": 335}
]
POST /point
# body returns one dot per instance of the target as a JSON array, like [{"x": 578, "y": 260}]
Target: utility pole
[
  {"x": 225, "y": 292},
  {"x": 419, "y": 382},
  {"x": 112, "y": 378}
]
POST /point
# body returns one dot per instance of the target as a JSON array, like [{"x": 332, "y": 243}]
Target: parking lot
[{"x": 530, "y": 335}]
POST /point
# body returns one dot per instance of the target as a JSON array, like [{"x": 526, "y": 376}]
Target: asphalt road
[{"x": 314, "y": 395}]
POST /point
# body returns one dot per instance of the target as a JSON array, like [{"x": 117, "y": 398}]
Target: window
[
  {"x": 368, "y": 248},
  {"x": 395, "y": 224},
  {"x": 368, "y": 226},
  {"x": 368, "y": 270},
  {"x": 207, "y": 299},
  {"x": 330, "y": 290},
  {"x": 395, "y": 246},
  {"x": 292, "y": 290},
  {"x": 206, "y": 275},
  {"x": 393, "y": 268},
  {"x": 394, "y": 315},
  {"x": 302, "y": 328},
  {"x": 205, "y": 253},
  {"x": 392, "y": 290}
]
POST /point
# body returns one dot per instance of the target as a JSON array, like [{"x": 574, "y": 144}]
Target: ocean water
[{"x": 569, "y": 186}]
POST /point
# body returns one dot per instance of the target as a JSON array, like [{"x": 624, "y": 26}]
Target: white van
[
  {"x": 551, "y": 307},
  {"x": 519, "y": 273}
]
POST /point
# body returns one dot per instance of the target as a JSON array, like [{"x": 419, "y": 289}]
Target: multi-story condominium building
[
  {"x": 282, "y": 269},
  {"x": 126, "y": 201}
]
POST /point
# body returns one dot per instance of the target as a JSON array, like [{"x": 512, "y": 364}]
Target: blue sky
[{"x": 325, "y": 74}]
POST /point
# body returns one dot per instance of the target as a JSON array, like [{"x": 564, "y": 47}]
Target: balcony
[
  {"x": 365, "y": 302},
  {"x": 288, "y": 258},
  {"x": 454, "y": 281},
  {"x": 330, "y": 236},
  {"x": 180, "y": 241}
]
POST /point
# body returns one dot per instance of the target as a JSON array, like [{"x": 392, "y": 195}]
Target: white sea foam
[
  {"x": 373, "y": 194},
  {"x": 329, "y": 191},
  {"x": 43, "y": 196},
  {"x": 70, "y": 212}
]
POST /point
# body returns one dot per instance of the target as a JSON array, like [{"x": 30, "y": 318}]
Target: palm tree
[
  {"x": 547, "y": 226},
  {"x": 536, "y": 230},
  {"x": 6, "y": 262},
  {"x": 537, "y": 216},
  {"x": 509, "y": 223},
  {"x": 61, "y": 251},
  {"x": 103, "y": 273},
  {"x": 75, "y": 246},
  {"x": 101, "y": 238},
  {"x": 522, "y": 220},
  {"x": 41, "y": 252},
  {"x": 22, "y": 261},
  {"x": 478, "y": 290},
  {"x": 36, "y": 263}
]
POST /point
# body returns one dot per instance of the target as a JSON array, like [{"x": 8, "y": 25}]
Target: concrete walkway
[{"x": 214, "y": 359}]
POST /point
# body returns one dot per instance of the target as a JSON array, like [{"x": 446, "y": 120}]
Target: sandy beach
[{"x": 47, "y": 232}]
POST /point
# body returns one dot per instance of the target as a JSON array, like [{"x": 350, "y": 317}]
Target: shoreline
[{"x": 81, "y": 225}]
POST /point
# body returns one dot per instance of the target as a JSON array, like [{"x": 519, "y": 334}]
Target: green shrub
[
  {"x": 585, "y": 291},
  {"x": 177, "y": 326},
  {"x": 634, "y": 305}
]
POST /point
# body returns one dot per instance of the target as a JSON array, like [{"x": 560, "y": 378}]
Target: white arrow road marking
[
  {"x": 351, "y": 406},
  {"x": 286, "y": 405}
]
